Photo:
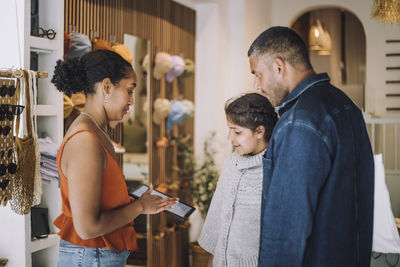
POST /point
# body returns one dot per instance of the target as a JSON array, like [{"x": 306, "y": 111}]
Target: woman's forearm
[{"x": 109, "y": 221}]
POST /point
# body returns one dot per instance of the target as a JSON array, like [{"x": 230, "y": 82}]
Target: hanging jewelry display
[
  {"x": 8, "y": 159},
  {"x": 23, "y": 181},
  {"x": 19, "y": 180}
]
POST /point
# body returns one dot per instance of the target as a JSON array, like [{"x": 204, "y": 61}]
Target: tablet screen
[{"x": 180, "y": 209}]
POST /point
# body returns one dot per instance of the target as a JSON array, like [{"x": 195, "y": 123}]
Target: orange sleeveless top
[{"x": 114, "y": 194}]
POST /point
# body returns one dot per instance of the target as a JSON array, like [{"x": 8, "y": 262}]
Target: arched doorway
[{"x": 337, "y": 45}]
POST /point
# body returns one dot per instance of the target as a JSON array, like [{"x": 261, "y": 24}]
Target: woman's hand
[{"x": 152, "y": 204}]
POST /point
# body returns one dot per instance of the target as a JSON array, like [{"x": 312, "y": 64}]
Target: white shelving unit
[{"x": 15, "y": 230}]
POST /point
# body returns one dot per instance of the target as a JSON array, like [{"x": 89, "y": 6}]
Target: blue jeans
[{"x": 71, "y": 255}]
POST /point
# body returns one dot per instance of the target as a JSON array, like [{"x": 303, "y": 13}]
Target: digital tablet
[{"x": 180, "y": 209}]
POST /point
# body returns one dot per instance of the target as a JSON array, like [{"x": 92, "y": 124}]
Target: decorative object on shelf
[
  {"x": 98, "y": 44},
  {"x": 123, "y": 51},
  {"x": 386, "y": 11},
  {"x": 67, "y": 43},
  {"x": 68, "y": 106},
  {"x": 178, "y": 67},
  {"x": 176, "y": 115},
  {"x": 7, "y": 89},
  {"x": 72, "y": 108},
  {"x": 162, "y": 108},
  {"x": 80, "y": 45},
  {"x": 3, "y": 262},
  {"x": 39, "y": 223},
  {"x": 188, "y": 108},
  {"x": 162, "y": 142},
  {"x": 40, "y": 32},
  {"x": 163, "y": 64}
]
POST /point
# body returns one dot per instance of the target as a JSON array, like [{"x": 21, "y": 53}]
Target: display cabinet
[{"x": 15, "y": 230}]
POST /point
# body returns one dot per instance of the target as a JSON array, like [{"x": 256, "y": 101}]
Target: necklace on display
[{"x": 97, "y": 125}]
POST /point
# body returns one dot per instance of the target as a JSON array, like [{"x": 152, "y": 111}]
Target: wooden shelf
[{"x": 43, "y": 243}]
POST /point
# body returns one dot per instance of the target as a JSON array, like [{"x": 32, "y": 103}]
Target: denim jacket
[{"x": 318, "y": 182}]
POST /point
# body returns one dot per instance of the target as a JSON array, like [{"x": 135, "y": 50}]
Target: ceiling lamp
[
  {"x": 386, "y": 11},
  {"x": 320, "y": 39}
]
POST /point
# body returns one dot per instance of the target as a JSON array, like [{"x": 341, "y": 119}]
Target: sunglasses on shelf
[
  {"x": 40, "y": 32},
  {"x": 3, "y": 153},
  {"x": 11, "y": 168},
  {"x": 5, "y": 130},
  {"x": 8, "y": 111},
  {"x": 3, "y": 184},
  {"x": 4, "y": 90}
]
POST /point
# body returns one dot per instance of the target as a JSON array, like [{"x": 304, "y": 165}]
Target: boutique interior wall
[
  {"x": 226, "y": 67},
  {"x": 226, "y": 29},
  {"x": 170, "y": 27}
]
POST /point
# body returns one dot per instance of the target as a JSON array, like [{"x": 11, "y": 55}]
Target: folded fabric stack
[{"x": 48, "y": 163}]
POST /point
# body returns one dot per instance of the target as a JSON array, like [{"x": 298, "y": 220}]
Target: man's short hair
[{"x": 284, "y": 43}]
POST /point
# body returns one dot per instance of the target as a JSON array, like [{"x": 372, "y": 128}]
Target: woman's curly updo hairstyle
[
  {"x": 81, "y": 74},
  {"x": 250, "y": 111}
]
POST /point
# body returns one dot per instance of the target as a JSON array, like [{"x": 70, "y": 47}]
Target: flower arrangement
[{"x": 204, "y": 177}]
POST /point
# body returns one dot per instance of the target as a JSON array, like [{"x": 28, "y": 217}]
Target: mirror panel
[{"x": 135, "y": 126}]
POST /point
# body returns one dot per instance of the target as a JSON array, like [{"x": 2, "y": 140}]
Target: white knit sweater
[{"x": 231, "y": 231}]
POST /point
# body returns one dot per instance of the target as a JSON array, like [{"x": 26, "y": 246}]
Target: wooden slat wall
[{"x": 170, "y": 27}]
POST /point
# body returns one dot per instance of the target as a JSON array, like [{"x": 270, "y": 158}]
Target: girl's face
[
  {"x": 121, "y": 97},
  {"x": 244, "y": 140}
]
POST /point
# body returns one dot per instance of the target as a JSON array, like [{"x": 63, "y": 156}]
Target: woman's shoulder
[
  {"x": 80, "y": 137},
  {"x": 79, "y": 125}
]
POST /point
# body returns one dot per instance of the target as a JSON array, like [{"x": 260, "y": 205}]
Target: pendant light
[
  {"x": 320, "y": 39},
  {"x": 386, "y": 11}
]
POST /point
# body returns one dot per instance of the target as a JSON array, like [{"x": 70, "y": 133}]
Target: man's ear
[
  {"x": 106, "y": 85},
  {"x": 279, "y": 67}
]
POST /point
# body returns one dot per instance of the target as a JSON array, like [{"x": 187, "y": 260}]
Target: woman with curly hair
[{"x": 96, "y": 223}]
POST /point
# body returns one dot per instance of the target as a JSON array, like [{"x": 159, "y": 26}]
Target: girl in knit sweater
[{"x": 231, "y": 231}]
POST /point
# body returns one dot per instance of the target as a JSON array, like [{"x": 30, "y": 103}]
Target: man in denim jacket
[{"x": 318, "y": 187}]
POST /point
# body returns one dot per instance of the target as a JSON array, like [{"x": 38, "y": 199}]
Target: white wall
[
  {"x": 9, "y": 53},
  {"x": 285, "y": 12},
  {"x": 224, "y": 31}
]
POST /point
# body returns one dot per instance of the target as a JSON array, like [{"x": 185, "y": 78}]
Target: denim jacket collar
[{"x": 301, "y": 88}]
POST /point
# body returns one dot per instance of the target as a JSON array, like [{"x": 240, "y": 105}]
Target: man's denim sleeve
[{"x": 294, "y": 172}]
